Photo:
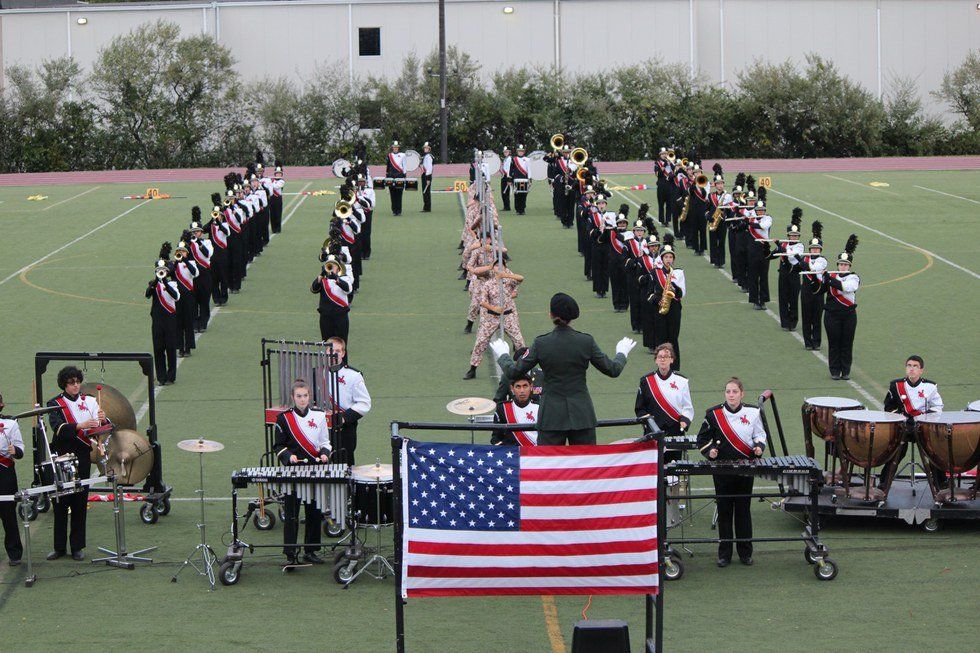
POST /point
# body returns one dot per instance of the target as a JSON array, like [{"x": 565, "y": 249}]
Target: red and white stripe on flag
[{"x": 588, "y": 525}]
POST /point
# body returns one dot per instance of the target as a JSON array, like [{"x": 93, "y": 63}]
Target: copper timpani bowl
[
  {"x": 868, "y": 438},
  {"x": 951, "y": 440},
  {"x": 821, "y": 413}
]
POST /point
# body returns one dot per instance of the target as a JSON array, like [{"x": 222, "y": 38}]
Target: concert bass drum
[{"x": 372, "y": 495}]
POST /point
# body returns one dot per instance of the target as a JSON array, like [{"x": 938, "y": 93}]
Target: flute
[{"x": 824, "y": 272}]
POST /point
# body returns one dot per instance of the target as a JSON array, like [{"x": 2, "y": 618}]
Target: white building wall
[{"x": 916, "y": 39}]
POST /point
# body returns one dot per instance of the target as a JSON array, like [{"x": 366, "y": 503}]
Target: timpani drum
[
  {"x": 867, "y": 439},
  {"x": 951, "y": 442},
  {"x": 818, "y": 418},
  {"x": 372, "y": 496}
]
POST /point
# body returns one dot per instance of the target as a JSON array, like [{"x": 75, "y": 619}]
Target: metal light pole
[{"x": 443, "y": 109}]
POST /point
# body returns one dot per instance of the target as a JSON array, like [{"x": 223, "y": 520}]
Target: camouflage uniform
[{"x": 489, "y": 323}]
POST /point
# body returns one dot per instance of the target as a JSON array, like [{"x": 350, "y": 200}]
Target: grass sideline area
[{"x": 73, "y": 268}]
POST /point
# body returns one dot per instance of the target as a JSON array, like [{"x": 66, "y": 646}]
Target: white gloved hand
[
  {"x": 625, "y": 346},
  {"x": 499, "y": 348}
]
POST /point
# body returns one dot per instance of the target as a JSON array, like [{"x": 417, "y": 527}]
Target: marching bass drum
[
  {"x": 339, "y": 166},
  {"x": 492, "y": 161},
  {"x": 412, "y": 161},
  {"x": 536, "y": 155},
  {"x": 538, "y": 169}
]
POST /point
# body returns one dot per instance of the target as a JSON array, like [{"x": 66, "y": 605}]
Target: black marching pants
[
  {"x": 275, "y": 213},
  {"x": 396, "y": 200},
  {"x": 202, "y": 296},
  {"x": 664, "y": 209},
  {"x": 164, "y": 332},
  {"x": 520, "y": 202},
  {"x": 716, "y": 245},
  {"x": 426, "y": 195},
  {"x": 505, "y": 187},
  {"x": 734, "y": 512},
  {"x": 11, "y": 529},
  {"x": 758, "y": 274},
  {"x": 789, "y": 298},
  {"x": 600, "y": 267},
  {"x": 186, "y": 317},
  {"x": 220, "y": 265},
  {"x": 840, "y": 325},
  {"x": 667, "y": 328},
  {"x": 334, "y": 324},
  {"x": 78, "y": 503},
  {"x": 290, "y": 526},
  {"x": 812, "y": 313}
]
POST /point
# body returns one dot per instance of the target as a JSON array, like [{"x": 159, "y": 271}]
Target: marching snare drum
[
  {"x": 951, "y": 442},
  {"x": 373, "y": 495},
  {"x": 522, "y": 185},
  {"x": 65, "y": 468}
]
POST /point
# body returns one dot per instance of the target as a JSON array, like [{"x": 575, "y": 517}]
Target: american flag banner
[{"x": 502, "y": 520}]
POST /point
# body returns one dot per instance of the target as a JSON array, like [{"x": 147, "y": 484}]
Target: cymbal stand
[
  {"x": 208, "y": 557},
  {"x": 120, "y": 557},
  {"x": 24, "y": 512},
  {"x": 383, "y": 565}
]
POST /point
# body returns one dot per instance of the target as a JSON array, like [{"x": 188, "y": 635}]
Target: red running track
[{"x": 461, "y": 170}]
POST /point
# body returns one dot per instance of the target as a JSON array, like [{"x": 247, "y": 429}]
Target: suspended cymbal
[
  {"x": 376, "y": 471},
  {"x": 470, "y": 406},
  {"x": 130, "y": 456},
  {"x": 114, "y": 404},
  {"x": 35, "y": 411},
  {"x": 200, "y": 445}
]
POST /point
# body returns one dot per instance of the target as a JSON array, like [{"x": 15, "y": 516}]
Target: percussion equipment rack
[
  {"x": 156, "y": 493},
  {"x": 325, "y": 485}
]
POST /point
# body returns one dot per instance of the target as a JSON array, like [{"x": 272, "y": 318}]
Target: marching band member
[
  {"x": 561, "y": 185},
  {"x": 164, "y": 295},
  {"x": 220, "y": 264},
  {"x": 646, "y": 270},
  {"x": 912, "y": 396},
  {"x": 738, "y": 232},
  {"x": 506, "y": 178},
  {"x": 71, "y": 425},
  {"x": 497, "y": 307},
  {"x": 275, "y": 201},
  {"x": 184, "y": 271},
  {"x": 11, "y": 450},
  {"x": 667, "y": 326},
  {"x": 334, "y": 286},
  {"x": 364, "y": 195},
  {"x": 427, "y": 164},
  {"x": 201, "y": 250},
  {"x": 234, "y": 214},
  {"x": 811, "y": 299},
  {"x": 733, "y": 431},
  {"x": 521, "y": 409},
  {"x": 636, "y": 249},
  {"x": 840, "y": 311},
  {"x": 678, "y": 194},
  {"x": 697, "y": 213},
  {"x": 790, "y": 253},
  {"x": 665, "y": 395},
  {"x": 583, "y": 225},
  {"x": 664, "y": 167},
  {"x": 720, "y": 200},
  {"x": 352, "y": 403},
  {"x": 617, "y": 261},
  {"x": 261, "y": 214},
  {"x": 395, "y": 169},
  {"x": 505, "y": 393},
  {"x": 301, "y": 438},
  {"x": 757, "y": 256},
  {"x": 521, "y": 172},
  {"x": 599, "y": 233}
]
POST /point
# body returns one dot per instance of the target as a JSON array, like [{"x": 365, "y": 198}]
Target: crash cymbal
[
  {"x": 470, "y": 406},
  {"x": 375, "y": 471},
  {"x": 130, "y": 456},
  {"x": 114, "y": 404},
  {"x": 35, "y": 411},
  {"x": 200, "y": 445}
]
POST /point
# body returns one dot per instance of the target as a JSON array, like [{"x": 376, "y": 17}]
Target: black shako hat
[{"x": 564, "y": 307}]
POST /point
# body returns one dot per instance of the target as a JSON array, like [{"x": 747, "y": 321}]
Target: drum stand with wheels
[
  {"x": 344, "y": 571},
  {"x": 120, "y": 558},
  {"x": 208, "y": 557}
]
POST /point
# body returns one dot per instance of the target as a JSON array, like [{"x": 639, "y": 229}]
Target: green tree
[{"x": 961, "y": 89}]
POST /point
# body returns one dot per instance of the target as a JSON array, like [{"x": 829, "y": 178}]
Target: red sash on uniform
[
  {"x": 345, "y": 230},
  {"x": 519, "y": 168},
  {"x": 635, "y": 248},
  {"x": 70, "y": 417},
  {"x": 4, "y": 460},
  {"x": 394, "y": 162},
  {"x": 233, "y": 221},
  {"x": 839, "y": 296},
  {"x": 661, "y": 278},
  {"x": 299, "y": 436},
  {"x": 700, "y": 193},
  {"x": 715, "y": 198},
  {"x": 166, "y": 300},
  {"x": 661, "y": 400},
  {"x": 730, "y": 434},
  {"x": 184, "y": 277},
  {"x": 903, "y": 394},
  {"x": 219, "y": 236},
  {"x": 199, "y": 257},
  {"x": 522, "y": 438},
  {"x": 336, "y": 299},
  {"x": 754, "y": 230},
  {"x": 616, "y": 243},
  {"x": 563, "y": 165}
]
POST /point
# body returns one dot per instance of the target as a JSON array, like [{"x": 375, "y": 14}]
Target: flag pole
[{"x": 396, "y": 446}]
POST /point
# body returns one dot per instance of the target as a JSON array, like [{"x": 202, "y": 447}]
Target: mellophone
[
  {"x": 405, "y": 183},
  {"x": 795, "y": 474},
  {"x": 325, "y": 486}
]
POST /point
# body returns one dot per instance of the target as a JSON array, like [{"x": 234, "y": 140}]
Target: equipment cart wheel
[
  {"x": 343, "y": 571},
  {"x": 931, "y": 525},
  {"x": 43, "y": 504},
  {"x": 808, "y": 554},
  {"x": 332, "y": 529},
  {"x": 162, "y": 506},
  {"x": 148, "y": 514},
  {"x": 673, "y": 567},
  {"x": 825, "y": 570},
  {"x": 230, "y": 572},
  {"x": 264, "y": 524},
  {"x": 28, "y": 509}
]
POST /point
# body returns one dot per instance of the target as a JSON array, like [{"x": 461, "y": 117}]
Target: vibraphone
[
  {"x": 794, "y": 475},
  {"x": 327, "y": 486}
]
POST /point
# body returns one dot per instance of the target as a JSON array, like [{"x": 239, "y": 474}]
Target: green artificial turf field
[{"x": 898, "y": 588}]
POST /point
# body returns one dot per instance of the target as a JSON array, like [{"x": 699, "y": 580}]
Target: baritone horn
[
  {"x": 557, "y": 141},
  {"x": 701, "y": 180},
  {"x": 583, "y": 174},
  {"x": 579, "y": 156}
]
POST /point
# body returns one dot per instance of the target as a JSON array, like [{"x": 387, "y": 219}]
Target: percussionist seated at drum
[
  {"x": 301, "y": 439},
  {"x": 733, "y": 431},
  {"x": 912, "y": 396},
  {"x": 71, "y": 425}
]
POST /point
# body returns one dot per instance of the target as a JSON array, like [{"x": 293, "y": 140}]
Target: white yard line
[
  {"x": 880, "y": 233},
  {"x": 73, "y": 197},
  {"x": 933, "y": 190},
  {"x": 864, "y": 186},
  {"x": 157, "y": 389},
  {"x": 823, "y": 359},
  {"x": 69, "y": 244}
]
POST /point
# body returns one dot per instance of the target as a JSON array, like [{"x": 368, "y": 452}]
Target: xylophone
[
  {"x": 325, "y": 486},
  {"x": 795, "y": 473}
]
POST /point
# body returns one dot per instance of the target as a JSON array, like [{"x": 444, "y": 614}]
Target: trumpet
[
  {"x": 557, "y": 141},
  {"x": 161, "y": 273},
  {"x": 179, "y": 255},
  {"x": 671, "y": 156},
  {"x": 228, "y": 201},
  {"x": 215, "y": 214},
  {"x": 701, "y": 181},
  {"x": 343, "y": 209},
  {"x": 334, "y": 267},
  {"x": 579, "y": 156}
]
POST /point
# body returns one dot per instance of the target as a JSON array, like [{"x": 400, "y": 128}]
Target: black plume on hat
[
  {"x": 624, "y": 209},
  {"x": 669, "y": 239},
  {"x": 652, "y": 230},
  {"x": 644, "y": 209},
  {"x": 259, "y": 158},
  {"x": 165, "y": 250},
  {"x": 185, "y": 235},
  {"x": 817, "y": 229},
  {"x": 750, "y": 183},
  {"x": 717, "y": 170},
  {"x": 564, "y": 307},
  {"x": 215, "y": 199},
  {"x": 230, "y": 180},
  {"x": 797, "y": 217},
  {"x": 851, "y": 245},
  {"x": 762, "y": 193},
  {"x": 740, "y": 180},
  {"x": 196, "y": 213}
]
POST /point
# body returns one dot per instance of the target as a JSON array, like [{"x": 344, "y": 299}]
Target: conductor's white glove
[
  {"x": 625, "y": 346},
  {"x": 499, "y": 348}
]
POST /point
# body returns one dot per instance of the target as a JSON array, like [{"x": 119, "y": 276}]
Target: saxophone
[
  {"x": 716, "y": 217},
  {"x": 687, "y": 205},
  {"x": 668, "y": 294}
]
